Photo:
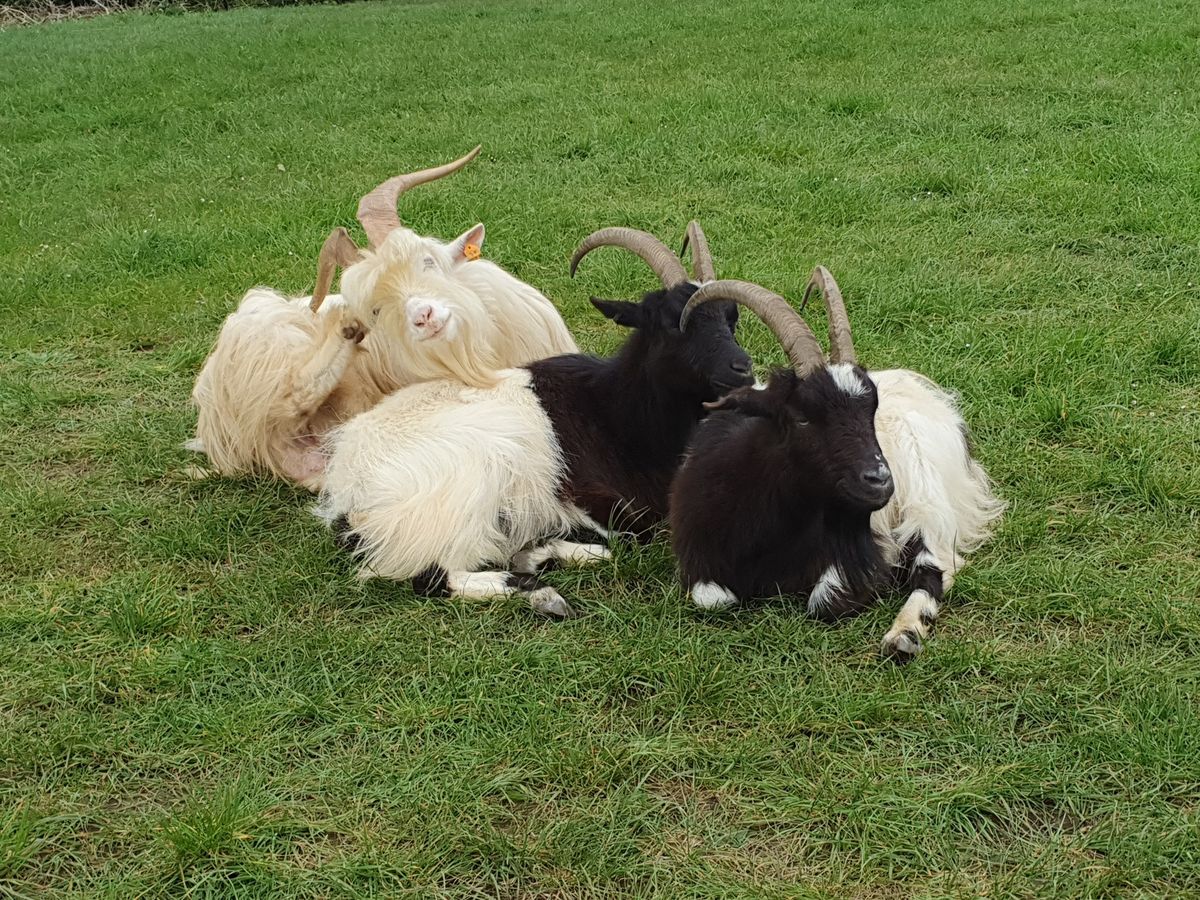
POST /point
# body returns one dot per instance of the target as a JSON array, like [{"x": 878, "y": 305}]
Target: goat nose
[
  {"x": 741, "y": 366},
  {"x": 878, "y": 477}
]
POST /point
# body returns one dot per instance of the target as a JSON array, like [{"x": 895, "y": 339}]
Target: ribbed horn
[
  {"x": 377, "y": 210},
  {"x": 338, "y": 251},
  {"x": 785, "y": 323},
  {"x": 702, "y": 261},
  {"x": 658, "y": 256},
  {"x": 841, "y": 345}
]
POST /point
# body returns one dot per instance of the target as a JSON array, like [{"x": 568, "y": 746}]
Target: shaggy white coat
[
  {"x": 443, "y": 474},
  {"x": 941, "y": 493},
  {"x": 281, "y": 377}
]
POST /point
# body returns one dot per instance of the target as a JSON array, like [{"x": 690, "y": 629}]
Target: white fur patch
[
  {"x": 566, "y": 552},
  {"x": 927, "y": 560},
  {"x": 587, "y": 521},
  {"x": 707, "y": 595},
  {"x": 917, "y": 608},
  {"x": 848, "y": 380},
  {"x": 580, "y": 554},
  {"x": 478, "y": 584},
  {"x": 828, "y": 586}
]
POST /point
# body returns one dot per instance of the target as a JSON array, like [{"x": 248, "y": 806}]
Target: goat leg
[
  {"x": 542, "y": 598},
  {"x": 321, "y": 374},
  {"x": 922, "y": 574}
]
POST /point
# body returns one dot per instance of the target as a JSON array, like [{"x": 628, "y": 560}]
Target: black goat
[{"x": 786, "y": 488}]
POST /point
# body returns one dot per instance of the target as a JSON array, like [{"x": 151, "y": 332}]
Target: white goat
[{"x": 284, "y": 372}]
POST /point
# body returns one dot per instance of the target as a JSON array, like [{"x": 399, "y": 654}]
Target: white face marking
[
  {"x": 707, "y": 595},
  {"x": 828, "y": 586},
  {"x": 848, "y": 380}
]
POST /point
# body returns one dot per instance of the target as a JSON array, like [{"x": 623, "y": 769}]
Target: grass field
[{"x": 195, "y": 696}]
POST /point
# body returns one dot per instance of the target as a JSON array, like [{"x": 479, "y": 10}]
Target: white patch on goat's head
[
  {"x": 847, "y": 378},
  {"x": 707, "y": 595},
  {"x": 826, "y": 590}
]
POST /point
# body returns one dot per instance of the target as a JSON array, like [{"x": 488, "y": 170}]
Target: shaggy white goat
[{"x": 284, "y": 372}]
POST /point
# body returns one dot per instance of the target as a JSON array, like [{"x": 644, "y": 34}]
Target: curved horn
[
  {"x": 785, "y": 323},
  {"x": 841, "y": 345},
  {"x": 702, "y": 261},
  {"x": 339, "y": 250},
  {"x": 377, "y": 210},
  {"x": 658, "y": 256}
]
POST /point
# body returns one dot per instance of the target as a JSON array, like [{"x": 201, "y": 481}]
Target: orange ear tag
[{"x": 471, "y": 251}]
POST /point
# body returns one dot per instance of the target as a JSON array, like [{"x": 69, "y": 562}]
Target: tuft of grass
[{"x": 212, "y": 824}]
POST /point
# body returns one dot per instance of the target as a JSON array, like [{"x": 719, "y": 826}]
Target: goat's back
[
  {"x": 444, "y": 474},
  {"x": 531, "y": 326},
  {"x": 240, "y": 389},
  {"x": 942, "y": 492}
]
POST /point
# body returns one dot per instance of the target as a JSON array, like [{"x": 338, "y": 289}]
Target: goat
[
  {"x": 284, "y": 372},
  {"x": 441, "y": 480},
  {"x": 829, "y": 481}
]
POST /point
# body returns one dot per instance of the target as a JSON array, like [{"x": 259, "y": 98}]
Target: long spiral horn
[
  {"x": 841, "y": 344},
  {"x": 702, "y": 261},
  {"x": 803, "y": 350},
  {"x": 377, "y": 210},
  {"x": 338, "y": 251},
  {"x": 658, "y": 256}
]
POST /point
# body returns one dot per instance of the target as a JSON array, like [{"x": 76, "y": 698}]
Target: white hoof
[{"x": 707, "y": 595}]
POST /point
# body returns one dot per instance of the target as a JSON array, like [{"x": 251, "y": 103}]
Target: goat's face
[
  {"x": 407, "y": 290},
  {"x": 408, "y": 270},
  {"x": 826, "y": 421},
  {"x": 706, "y": 359}
]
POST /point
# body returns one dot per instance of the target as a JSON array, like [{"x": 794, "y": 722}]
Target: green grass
[{"x": 196, "y": 696}]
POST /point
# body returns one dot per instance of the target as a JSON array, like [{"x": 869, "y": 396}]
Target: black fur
[
  {"x": 344, "y": 537},
  {"x": 776, "y": 489},
  {"x": 525, "y": 583},
  {"x": 624, "y": 422},
  {"x": 912, "y": 577},
  {"x": 433, "y": 582}
]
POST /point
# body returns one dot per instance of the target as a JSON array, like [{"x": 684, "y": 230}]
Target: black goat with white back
[
  {"x": 441, "y": 481},
  {"x": 828, "y": 481}
]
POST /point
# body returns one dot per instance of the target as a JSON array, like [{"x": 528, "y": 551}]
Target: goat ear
[
  {"x": 620, "y": 311},
  {"x": 468, "y": 245}
]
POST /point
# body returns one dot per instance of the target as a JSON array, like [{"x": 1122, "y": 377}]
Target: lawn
[{"x": 195, "y": 694}]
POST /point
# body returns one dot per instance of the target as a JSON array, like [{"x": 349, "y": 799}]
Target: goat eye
[
  {"x": 375, "y": 311},
  {"x": 429, "y": 262}
]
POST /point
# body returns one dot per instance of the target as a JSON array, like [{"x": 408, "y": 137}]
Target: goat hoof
[
  {"x": 550, "y": 603},
  {"x": 354, "y": 332},
  {"x": 902, "y": 648},
  {"x": 710, "y": 596}
]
